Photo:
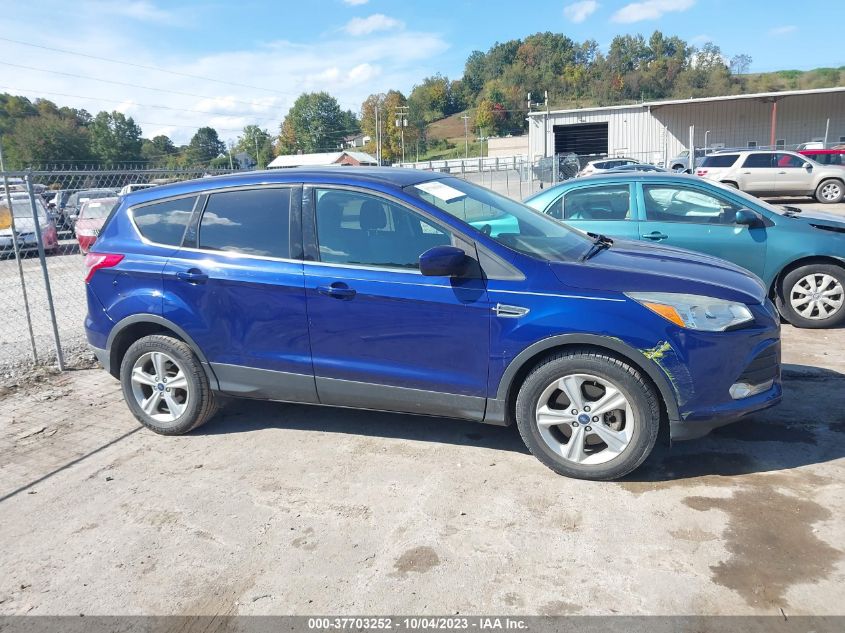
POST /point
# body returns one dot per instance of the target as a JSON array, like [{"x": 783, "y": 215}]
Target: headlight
[{"x": 694, "y": 311}]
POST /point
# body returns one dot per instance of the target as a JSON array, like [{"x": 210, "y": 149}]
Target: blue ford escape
[{"x": 401, "y": 290}]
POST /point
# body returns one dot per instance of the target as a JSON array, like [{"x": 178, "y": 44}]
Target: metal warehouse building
[{"x": 655, "y": 131}]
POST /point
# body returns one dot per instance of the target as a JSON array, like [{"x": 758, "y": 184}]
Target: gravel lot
[{"x": 280, "y": 509}]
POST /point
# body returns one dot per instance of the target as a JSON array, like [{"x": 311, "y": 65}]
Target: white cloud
[
  {"x": 136, "y": 10},
  {"x": 650, "y": 10},
  {"x": 372, "y": 24},
  {"x": 355, "y": 3},
  {"x": 278, "y": 71},
  {"x": 783, "y": 30},
  {"x": 579, "y": 11}
]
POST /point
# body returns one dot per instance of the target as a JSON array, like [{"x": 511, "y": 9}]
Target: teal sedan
[{"x": 800, "y": 256}]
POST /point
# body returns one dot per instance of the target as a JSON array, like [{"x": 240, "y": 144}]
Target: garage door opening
[{"x": 582, "y": 139}]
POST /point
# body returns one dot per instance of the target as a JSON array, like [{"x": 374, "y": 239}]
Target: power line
[
  {"x": 121, "y": 83},
  {"x": 142, "y": 105},
  {"x": 147, "y": 67}
]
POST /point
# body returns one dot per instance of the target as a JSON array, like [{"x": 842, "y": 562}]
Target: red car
[
  {"x": 91, "y": 218},
  {"x": 825, "y": 156}
]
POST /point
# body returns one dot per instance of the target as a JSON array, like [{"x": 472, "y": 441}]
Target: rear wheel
[
  {"x": 813, "y": 296},
  {"x": 588, "y": 415},
  {"x": 830, "y": 191},
  {"x": 165, "y": 385}
]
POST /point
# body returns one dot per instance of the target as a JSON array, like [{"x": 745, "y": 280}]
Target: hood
[
  {"x": 823, "y": 218},
  {"x": 633, "y": 266}
]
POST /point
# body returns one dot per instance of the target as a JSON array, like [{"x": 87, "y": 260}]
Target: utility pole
[
  {"x": 378, "y": 138},
  {"x": 402, "y": 123},
  {"x": 466, "y": 135},
  {"x": 255, "y": 140},
  {"x": 546, "y": 125}
]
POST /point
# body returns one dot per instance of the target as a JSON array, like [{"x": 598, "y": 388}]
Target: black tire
[
  {"x": 830, "y": 191},
  {"x": 201, "y": 404},
  {"x": 788, "y": 285},
  {"x": 643, "y": 399}
]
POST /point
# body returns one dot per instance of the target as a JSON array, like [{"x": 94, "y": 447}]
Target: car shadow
[{"x": 791, "y": 435}]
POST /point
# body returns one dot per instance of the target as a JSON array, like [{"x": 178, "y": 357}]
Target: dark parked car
[
  {"x": 78, "y": 198},
  {"x": 411, "y": 291}
]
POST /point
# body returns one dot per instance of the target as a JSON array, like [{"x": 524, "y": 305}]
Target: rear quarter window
[
  {"x": 721, "y": 160},
  {"x": 165, "y": 222}
]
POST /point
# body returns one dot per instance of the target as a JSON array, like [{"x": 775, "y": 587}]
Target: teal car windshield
[{"x": 510, "y": 223}]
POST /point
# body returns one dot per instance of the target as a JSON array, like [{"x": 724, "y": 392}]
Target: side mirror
[
  {"x": 749, "y": 218},
  {"x": 443, "y": 261},
  {"x": 808, "y": 166}
]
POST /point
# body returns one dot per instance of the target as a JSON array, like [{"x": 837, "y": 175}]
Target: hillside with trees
[{"x": 492, "y": 92}]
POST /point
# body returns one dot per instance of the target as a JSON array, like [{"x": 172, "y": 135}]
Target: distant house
[
  {"x": 327, "y": 158},
  {"x": 356, "y": 140},
  {"x": 245, "y": 160}
]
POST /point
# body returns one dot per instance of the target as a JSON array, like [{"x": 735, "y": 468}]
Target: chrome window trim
[{"x": 130, "y": 212}]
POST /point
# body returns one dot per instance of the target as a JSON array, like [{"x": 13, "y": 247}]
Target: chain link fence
[{"x": 48, "y": 220}]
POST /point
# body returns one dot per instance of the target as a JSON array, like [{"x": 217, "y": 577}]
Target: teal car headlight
[{"x": 695, "y": 312}]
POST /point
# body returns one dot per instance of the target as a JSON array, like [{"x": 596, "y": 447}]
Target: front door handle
[
  {"x": 655, "y": 236},
  {"x": 337, "y": 290},
  {"x": 192, "y": 276}
]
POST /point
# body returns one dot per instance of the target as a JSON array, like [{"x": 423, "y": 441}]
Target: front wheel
[
  {"x": 830, "y": 191},
  {"x": 165, "y": 385},
  {"x": 813, "y": 296},
  {"x": 588, "y": 415}
]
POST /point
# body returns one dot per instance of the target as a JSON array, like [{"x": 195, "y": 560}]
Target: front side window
[
  {"x": 510, "y": 223},
  {"x": 668, "y": 203},
  {"x": 165, "y": 222},
  {"x": 788, "y": 160},
  {"x": 608, "y": 202},
  {"x": 252, "y": 222},
  {"x": 363, "y": 229}
]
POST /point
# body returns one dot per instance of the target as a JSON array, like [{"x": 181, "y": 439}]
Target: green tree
[
  {"x": 204, "y": 147},
  {"x": 158, "y": 150},
  {"x": 315, "y": 123},
  {"x": 257, "y": 143},
  {"x": 48, "y": 139},
  {"x": 115, "y": 138}
]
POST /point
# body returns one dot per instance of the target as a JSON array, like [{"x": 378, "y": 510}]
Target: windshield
[
  {"x": 81, "y": 196},
  {"x": 752, "y": 199},
  {"x": 508, "y": 222},
  {"x": 98, "y": 209},
  {"x": 21, "y": 209}
]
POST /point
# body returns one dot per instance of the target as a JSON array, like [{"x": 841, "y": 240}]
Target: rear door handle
[
  {"x": 192, "y": 276},
  {"x": 338, "y": 290},
  {"x": 655, "y": 236}
]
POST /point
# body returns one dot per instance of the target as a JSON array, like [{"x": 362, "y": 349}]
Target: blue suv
[{"x": 402, "y": 290}]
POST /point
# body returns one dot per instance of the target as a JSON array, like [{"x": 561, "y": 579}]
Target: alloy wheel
[
  {"x": 831, "y": 191},
  {"x": 160, "y": 387},
  {"x": 817, "y": 296},
  {"x": 585, "y": 419}
]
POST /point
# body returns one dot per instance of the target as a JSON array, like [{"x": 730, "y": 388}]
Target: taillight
[{"x": 96, "y": 261}]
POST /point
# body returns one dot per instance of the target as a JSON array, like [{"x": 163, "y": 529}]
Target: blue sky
[{"x": 351, "y": 48}]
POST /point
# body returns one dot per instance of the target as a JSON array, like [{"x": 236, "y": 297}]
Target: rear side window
[
  {"x": 759, "y": 160},
  {"x": 165, "y": 222},
  {"x": 253, "y": 222},
  {"x": 720, "y": 160},
  {"x": 606, "y": 202}
]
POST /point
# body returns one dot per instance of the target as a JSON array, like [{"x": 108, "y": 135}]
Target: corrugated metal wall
[{"x": 639, "y": 131}]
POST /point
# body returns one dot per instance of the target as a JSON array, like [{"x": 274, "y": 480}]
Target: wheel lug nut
[
  {"x": 574, "y": 411},
  {"x": 595, "y": 418},
  {"x": 587, "y": 409},
  {"x": 588, "y": 428},
  {"x": 574, "y": 424},
  {"x": 167, "y": 390}
]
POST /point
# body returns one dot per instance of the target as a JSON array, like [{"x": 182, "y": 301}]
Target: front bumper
[{"x": 26, "y": 242}]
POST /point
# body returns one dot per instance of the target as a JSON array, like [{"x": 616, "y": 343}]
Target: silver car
[{"x": 776, "y": 173}]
